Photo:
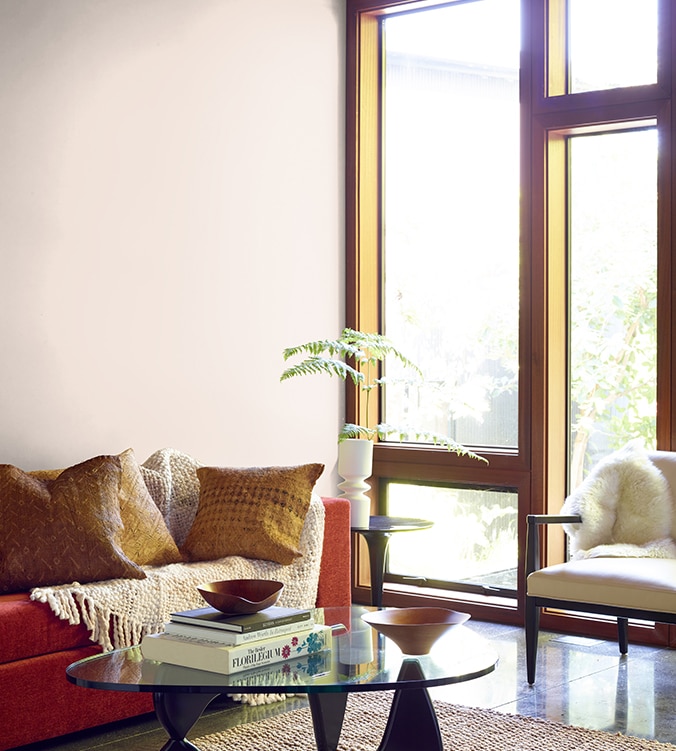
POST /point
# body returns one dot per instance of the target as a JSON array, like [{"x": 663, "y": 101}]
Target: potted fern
[{"x": 356, "y": 355}]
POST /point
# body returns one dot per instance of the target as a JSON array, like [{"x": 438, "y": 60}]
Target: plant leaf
[
  {"x": 350, "y": 430},
  {"x": 407, "y": 434},
  {"x": 316, "y": 365},
  {"x": 356, "y": 345}
]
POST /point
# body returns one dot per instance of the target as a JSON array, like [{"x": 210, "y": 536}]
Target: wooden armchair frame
[{"x": 535, "y": 603}]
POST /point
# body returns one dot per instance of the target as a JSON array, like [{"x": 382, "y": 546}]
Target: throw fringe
[{"x": 119, "y": 612}]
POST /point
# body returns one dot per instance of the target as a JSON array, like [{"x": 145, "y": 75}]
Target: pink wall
[{"x": 171, "y": 217}]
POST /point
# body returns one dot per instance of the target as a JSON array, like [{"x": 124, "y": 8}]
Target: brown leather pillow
[
  {"x": 145, "y": 538},
  {"x": 63, "y": 530},
  {"x": 255, "y": 513}
]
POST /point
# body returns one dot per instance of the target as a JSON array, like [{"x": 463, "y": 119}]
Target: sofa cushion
[
  {"x": 254, "y": 513},
  {"x": 29, "y": 629},
  {"x": 41, "y": 703},
  {"x": 62, "y": 530}
]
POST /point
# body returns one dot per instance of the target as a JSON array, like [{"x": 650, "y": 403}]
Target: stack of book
[{"x": 207, "y": 639}]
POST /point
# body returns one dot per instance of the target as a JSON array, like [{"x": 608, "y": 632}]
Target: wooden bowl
[
  {"x": 414, "y": 630},
  {"x": 241, "y": 595}
]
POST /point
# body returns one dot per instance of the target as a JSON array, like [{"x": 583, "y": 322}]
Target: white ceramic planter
[{"x": 355, "y": 465}]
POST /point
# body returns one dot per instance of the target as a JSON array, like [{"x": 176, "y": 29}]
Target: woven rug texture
[{"x": 462, "y": 729}]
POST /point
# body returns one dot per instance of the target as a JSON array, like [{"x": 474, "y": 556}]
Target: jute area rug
[{"x": 462, "y": 729}]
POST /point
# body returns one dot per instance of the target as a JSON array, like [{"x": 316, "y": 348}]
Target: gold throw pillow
[{"x": 255, "y": 513}]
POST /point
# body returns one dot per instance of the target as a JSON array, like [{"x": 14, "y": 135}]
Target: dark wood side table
[{"x": 377, "y": 536}]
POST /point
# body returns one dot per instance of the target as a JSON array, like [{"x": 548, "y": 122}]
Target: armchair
[{"x": 620, "y": 524}]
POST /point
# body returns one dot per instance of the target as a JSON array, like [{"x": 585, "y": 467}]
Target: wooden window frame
[{"x": 538, "y": 468}]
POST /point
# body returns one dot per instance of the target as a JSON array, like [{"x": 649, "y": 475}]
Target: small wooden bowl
[
  {"x": 415, "y": 630},
  {"x": 241, "y": 595}
]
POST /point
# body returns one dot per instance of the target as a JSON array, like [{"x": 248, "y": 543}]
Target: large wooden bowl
[
  {"x": 415, "y": 630},
  {"x": 241, "y": 595}
]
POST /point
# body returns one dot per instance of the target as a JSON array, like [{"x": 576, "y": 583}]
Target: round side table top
[{"x": 394, "y": 524}]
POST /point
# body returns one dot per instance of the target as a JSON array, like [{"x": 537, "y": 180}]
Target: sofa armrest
[
  {"x": 335, "y": 583},
  {"x": 533, "y": 522}
]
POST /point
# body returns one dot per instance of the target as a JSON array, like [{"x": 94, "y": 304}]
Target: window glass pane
[
  {"x": 451, "y": 213},
  {"x": 473, "y": 540},
  {"x": 612, "y": 43},
  {"x": 613, "y": 294}
]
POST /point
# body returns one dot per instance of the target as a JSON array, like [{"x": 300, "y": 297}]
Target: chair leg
[
  {"x": 532, "y": 629},
  {"x": 623, "y": 634}
]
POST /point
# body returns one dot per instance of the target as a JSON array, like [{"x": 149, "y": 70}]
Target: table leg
[
  {"x": 412, "y": 722},
  {"x": 328, "y": 711},
  {"x": 377, "y": 545},
  {"x": 177, "y": 713}
]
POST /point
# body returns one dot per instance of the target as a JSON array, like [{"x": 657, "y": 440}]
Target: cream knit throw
[{"x": 118, "y": 612}]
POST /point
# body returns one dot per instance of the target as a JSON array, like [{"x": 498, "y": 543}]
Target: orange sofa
[{"x": 36, "y": 700}]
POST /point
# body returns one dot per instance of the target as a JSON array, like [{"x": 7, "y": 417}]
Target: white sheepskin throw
[{"x": 626, "y": 507}]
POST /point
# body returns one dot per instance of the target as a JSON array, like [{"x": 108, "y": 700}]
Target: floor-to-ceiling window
[
  {"x": 450, "y": 279},
  {"x": 509, "y": 226}
]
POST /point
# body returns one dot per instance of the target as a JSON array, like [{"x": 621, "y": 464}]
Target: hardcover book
[
  {"x": 317, "y": 668},
  {"x": 273, "y": 616},
  {"x": 205, "y": 654},
  {"x": 235, "y": 637}
]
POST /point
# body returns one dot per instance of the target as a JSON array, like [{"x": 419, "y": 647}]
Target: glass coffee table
[{"x": 360, "y": 659}]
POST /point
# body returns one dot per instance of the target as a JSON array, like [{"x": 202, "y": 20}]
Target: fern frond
[
  {"x": 416, "y": 436},
  {"x": 350, "y": 430},
  {"x": 315, "y": 365},
  {"x": 377, "y": 347},
  {"x": 331, "y": 347},
  {"x": 356, "y": 345}
]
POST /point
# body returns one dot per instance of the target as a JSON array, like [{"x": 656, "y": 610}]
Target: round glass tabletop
[{"x": 359, "y": 659}]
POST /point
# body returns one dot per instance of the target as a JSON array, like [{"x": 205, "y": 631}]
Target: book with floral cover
[{"x": 206, "y": 654}]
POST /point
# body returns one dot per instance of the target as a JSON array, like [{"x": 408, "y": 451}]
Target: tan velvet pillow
[
  {"x": 255, "y": 513},
  {"x": 145, "y": 538},
  {"x": 63, "y": 530}
]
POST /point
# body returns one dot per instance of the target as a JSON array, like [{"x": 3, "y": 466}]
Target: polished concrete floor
[{"x": 584, "y": 682}]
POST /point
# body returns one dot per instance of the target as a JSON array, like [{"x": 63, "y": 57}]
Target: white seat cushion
[{"x": 642, "y": 583}]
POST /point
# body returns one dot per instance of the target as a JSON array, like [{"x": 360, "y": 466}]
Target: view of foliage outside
[
  {"x": 613, "y": 294},
  {"x": 473, "y": 539}
]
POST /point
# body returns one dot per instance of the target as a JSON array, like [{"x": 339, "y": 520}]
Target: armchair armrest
[{"x": 533, "y": 521}]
